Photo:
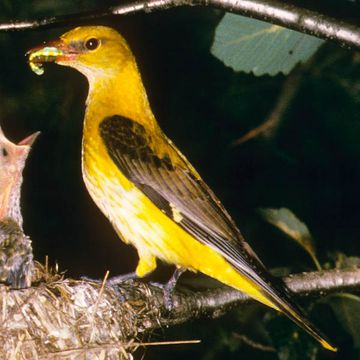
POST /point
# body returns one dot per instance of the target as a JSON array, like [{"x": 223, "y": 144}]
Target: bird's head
[
  {"x": 104, "y": 57},
  {"x": 92, "y": 50},
  {"x": 12, "y": 161}
]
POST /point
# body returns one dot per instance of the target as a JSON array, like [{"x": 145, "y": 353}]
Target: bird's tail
[
  {"x": 243, "y": 271},
  {"x": 270, "y": 291},
  {"x": 284, "y": 303},
  {"x": 279, "y": 296}
]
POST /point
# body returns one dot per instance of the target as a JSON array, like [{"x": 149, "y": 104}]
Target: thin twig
[
  {"x": 268, "y": 127},
  {"x": 254, "y": 344},
  {"x": 96, "y": 306},
  {"x": 162, "y": 343},
  {"x": 86, "y": 349},
  {"x": 311, "y": 18},
  {"x": 101, "y": 292},
  {"x": 46, "y": 264}
]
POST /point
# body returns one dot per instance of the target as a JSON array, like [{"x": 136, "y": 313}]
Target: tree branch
[
  {"x": 217, "y": 301},
  {"x": 338, "y": 24},
  {"x": 68, "y": 317}
]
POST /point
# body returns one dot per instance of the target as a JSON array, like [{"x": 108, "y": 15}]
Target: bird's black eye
[
  {"x": 4, "y": 152},
  {"x": 92, "y": 44}
]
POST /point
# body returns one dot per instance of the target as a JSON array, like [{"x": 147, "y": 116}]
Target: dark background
[{"x": 311, "y": 166}]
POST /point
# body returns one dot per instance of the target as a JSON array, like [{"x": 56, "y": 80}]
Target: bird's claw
[
  {"x": 167, "y": 293},
  {"x": 168, "y": 289},
  {"x": 168, "y": 298}
]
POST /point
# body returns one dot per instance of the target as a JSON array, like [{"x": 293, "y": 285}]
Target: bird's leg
[
  {"x": 115, "y": 280},
  {"x": 146, "y": 265},
  {"x": 168, "y": 288}
]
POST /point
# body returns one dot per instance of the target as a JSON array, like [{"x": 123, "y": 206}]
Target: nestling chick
[{"x": 16, "y": 256}]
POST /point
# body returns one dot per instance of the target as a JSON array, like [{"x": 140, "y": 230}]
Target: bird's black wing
[{"x": 177, "y": 190}]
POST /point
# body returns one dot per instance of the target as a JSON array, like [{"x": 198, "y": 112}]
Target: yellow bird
[{"x": 152, "y": 195}]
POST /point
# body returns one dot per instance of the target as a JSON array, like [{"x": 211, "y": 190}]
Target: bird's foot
[{"x": 168, "y": 288}]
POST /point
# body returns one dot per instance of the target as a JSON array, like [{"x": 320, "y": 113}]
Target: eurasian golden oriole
[{"x": 149, "y": 191}]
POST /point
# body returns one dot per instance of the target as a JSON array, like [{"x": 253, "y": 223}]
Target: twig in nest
[{"x": 161, "y": 343}]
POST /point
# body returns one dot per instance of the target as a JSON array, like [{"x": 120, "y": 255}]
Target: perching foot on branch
[{"x": 169, "y": 287}]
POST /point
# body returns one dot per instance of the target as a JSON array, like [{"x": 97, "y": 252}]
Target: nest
[{"x": 61, "y": 318}]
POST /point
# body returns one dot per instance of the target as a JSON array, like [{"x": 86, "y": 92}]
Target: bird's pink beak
[{"x": 29, "y": 140}]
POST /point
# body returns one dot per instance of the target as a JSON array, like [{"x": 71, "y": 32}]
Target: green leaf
[
  {"x": 285, "y": 220},
  {"x": 347, "y": 309},
  {"x": 256, "y": 46}
]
